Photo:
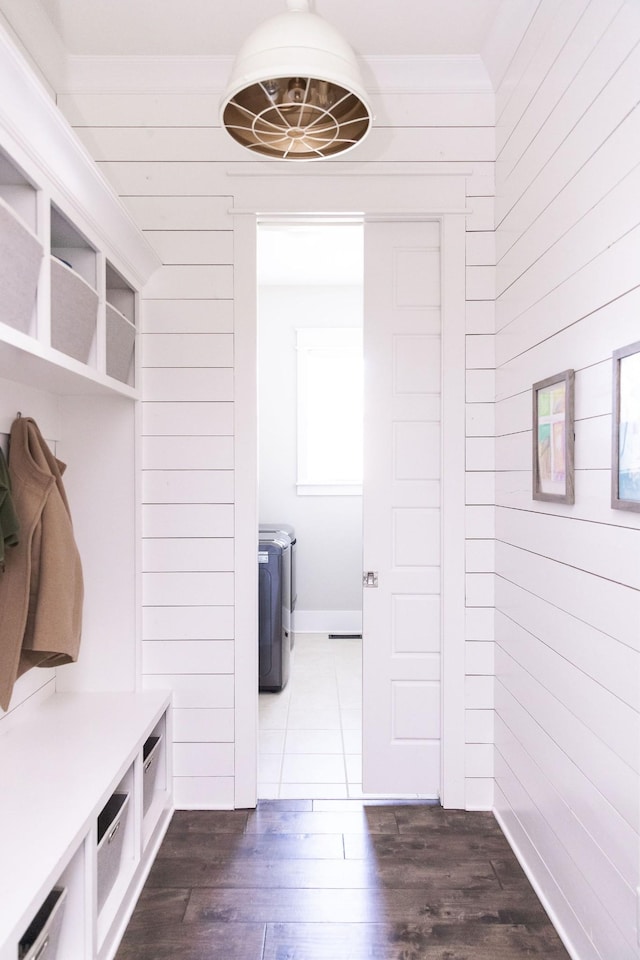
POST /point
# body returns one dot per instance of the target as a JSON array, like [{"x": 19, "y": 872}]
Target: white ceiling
[{"x": 213, "y": 28}]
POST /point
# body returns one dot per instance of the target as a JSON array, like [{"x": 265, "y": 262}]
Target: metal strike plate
[{"x": 370, "y": 578}]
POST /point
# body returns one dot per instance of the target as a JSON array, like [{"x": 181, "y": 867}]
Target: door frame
[{"x": 369, "y": 196}]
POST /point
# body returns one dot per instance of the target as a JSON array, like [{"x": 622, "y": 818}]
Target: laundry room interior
[{"x": 310, "y": 367}]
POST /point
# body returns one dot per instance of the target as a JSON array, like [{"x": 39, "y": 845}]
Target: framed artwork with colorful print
[{"x": 553, "y": 438}]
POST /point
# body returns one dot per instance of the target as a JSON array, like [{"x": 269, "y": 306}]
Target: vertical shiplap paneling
[
  {"x": 165, "y": 158},
  {"x": 480, "y": 494},
  {"x": 567, "y": 590}
]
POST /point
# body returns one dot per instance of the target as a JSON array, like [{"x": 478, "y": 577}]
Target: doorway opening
[
  {"x": 383, "y": 198},
  {"x": 310, "y": 293}
]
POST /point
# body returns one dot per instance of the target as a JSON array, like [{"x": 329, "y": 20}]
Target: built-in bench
[{"x": 60, "y": 764}]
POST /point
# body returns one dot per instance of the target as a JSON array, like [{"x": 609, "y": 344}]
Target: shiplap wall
[
  {"x": 167, "y": 159},
  {"x": 568, "y": 577}
]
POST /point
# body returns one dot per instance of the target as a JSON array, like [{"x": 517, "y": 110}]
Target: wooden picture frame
[
  {"x": 625, "y": 446},
  {"x": 553, "y": 438}
]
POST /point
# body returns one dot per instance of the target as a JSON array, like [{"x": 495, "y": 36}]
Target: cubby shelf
[
  {"x": 61, "y": 292},
  {"x": 27, "y": 361},
  {"x": 21, "y": 254}
]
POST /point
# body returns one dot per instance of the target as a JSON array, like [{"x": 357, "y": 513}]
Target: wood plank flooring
[{"x": 337, "y": 880}]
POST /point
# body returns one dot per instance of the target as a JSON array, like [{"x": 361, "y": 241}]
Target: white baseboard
[
  {"x": 327, "y": 621},
  {"x": 541, "y": 885}
]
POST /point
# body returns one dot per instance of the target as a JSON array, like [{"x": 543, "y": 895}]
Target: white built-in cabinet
[
  {"x": 85, "y": 753},
  {"x": 63, "y": 764}
]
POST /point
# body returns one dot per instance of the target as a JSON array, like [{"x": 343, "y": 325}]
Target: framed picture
[
  {"x": 625, "y": 464},
  {"x": 553, "y": 439}
]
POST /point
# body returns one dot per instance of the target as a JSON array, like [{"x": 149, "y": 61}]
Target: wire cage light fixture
[{"x": 295, "y": 92}]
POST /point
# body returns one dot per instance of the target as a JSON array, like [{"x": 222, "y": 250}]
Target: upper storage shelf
[
  {"x": 74, "y": 298},
  {"x": 18, "y": 193},
  {"x": 71, "y": 258},
  {"x": 121, "y": 326},
  {"x": 21, "y": 250}
]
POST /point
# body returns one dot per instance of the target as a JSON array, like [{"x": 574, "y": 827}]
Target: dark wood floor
[{"x": 337, "y": 880}]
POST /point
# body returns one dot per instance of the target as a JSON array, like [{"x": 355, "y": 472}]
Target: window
[{"x": 330, "y": 410}]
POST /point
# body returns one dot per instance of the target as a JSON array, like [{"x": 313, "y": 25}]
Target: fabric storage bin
[
  {"x": 111, "y": 828},
  {"x": 40, "y": 942},
  {"x": 121, "y": 336},
  {"x": 150, "y": 764},
  {"x": 20, "y": 259},
  {"x": 74, "y": 312}
]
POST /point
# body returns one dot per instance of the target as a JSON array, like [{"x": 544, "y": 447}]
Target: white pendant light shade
[{"x": 295, "y": 90}]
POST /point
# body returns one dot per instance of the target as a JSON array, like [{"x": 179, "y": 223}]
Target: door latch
[{"x": 370, "y": 578}]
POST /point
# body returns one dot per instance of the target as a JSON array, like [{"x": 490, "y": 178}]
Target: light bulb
[
  {"x": 296, "y": 91},
  {"x": 272, "y": 87}
]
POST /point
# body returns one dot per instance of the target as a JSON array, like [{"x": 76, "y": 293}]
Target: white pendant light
[{"x": 295, "y": 91}]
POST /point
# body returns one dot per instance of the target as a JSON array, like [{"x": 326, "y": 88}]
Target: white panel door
[{"x": 401, "y": 503}]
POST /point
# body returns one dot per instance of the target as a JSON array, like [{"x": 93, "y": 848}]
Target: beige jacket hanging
[{"x": 41, "y": 590}]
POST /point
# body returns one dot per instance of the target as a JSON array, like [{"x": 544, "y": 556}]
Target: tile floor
[{"x": 311, "y": 732}]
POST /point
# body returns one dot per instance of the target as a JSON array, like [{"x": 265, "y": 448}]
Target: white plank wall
[
  {"x": 167, "y": 158},
  {"x": 567, "y": 578},
  {"x": 188, "y": 488}
]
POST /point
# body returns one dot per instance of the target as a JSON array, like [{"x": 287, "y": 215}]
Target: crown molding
[
  {"x": 36, "y": 135},
  {"x": 201, "y": 74},
  {"x": 35, "y": 37}
]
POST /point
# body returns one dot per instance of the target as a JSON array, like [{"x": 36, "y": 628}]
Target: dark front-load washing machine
[
  {"x": 271, "y": 529},
  {"x": 274, "y": 610},
  {"x": 267, "y": 530}
]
